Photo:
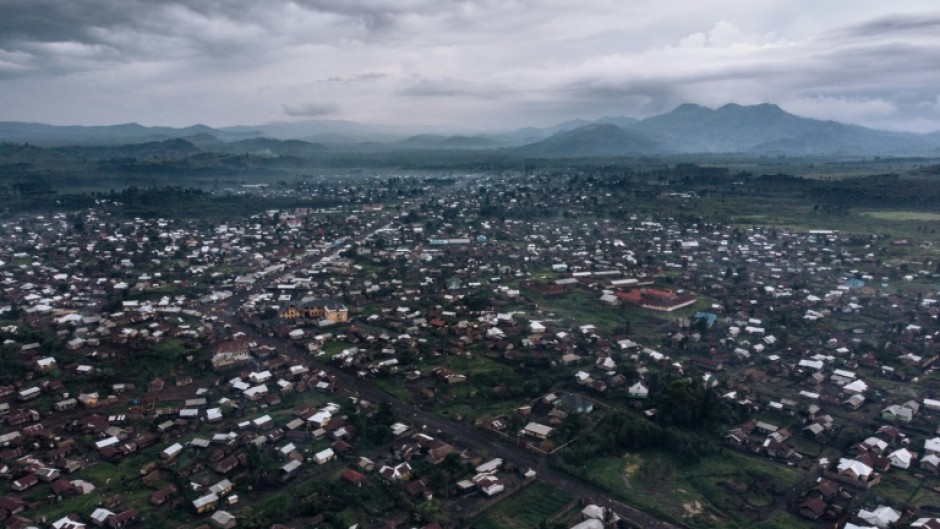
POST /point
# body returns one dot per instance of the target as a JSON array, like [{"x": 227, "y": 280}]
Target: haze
[{"x": 464, "y": 65}]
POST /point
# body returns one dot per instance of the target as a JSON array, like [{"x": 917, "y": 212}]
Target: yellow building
[{"x": 315, "y": 310}]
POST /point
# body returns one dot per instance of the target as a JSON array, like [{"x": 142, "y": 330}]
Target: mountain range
[{"x": 763, "y": 129}]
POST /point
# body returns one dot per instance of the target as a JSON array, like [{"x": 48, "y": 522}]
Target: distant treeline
[{"x": 150, "y": 202}]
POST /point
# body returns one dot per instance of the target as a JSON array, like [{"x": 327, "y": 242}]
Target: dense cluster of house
[{"x": 123, "y": 336}]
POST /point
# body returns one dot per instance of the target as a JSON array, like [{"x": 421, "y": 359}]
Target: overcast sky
[{"x": 474, "y": 64}]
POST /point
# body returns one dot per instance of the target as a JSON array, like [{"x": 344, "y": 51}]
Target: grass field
[
  {"x": 473, "y": 399},
  {"x": 581, "y": 307},
  {"x": 903, "y": 488},
  {"x": 524, "y": 509},
  {"x": 693, "y": 494},
  {"x": 921, "y": 216}
]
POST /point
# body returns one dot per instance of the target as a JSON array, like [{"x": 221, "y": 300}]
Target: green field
[
  {"x": 693, "y": 494},
  {"x": 525, "y": 509},
  {"x": 904, "y": 215}
]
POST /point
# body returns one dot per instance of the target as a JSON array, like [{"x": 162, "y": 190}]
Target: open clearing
[
  {"x": 693, "y": 494},
  {"x": 904, "y": 215},
  {"x": 525, "y": 509}
]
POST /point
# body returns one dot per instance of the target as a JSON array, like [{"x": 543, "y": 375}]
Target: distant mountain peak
[
  {"x": 593, "y": 139},
  {"x": 766, "y": 108},
  {"x": 690, "y": 107}
]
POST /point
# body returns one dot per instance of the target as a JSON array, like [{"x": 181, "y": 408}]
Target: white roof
[
  {"x": 538, "y": 429},
  {"x": 902, "y": 456},
  {"x": 65, "y": 521},
  {"x": 490, "y": 466},
  {"x": 856, "y": 467},
  {"x": 173, "y": 449},
  {"x": 590, "y": 523},
  {"x": 106, "y": 442},
  {"x": 205, "y": 500},
  {"x": 812, "y": 364},
  {"x": 597, "y": 512},
  {"x": 222, "y": 517},
  {"x": 262, "y": 420},
  {"x": 880, "y": 517},
  {"x": 932, "y": 445},
  {"x": 101, "y": 515},
  {"x": 859, "y": 386}
]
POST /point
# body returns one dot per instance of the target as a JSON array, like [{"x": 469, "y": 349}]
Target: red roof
[{"x": 352, "y": 476}]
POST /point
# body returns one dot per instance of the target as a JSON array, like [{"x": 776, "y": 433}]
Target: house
[
  {"x": 657, "y": 299},
  {"x": 491, "y": 485},
  {"x": 231, "y": 353},
  {"x": 854, "y": 402},
  {"x": 222, "y": 488},
  {"x": 899, "y": 413},
  {"x": 737, "y": 438},
  {"x": 64, "y": 523},
  {"x": 161, "y": 496},
  {"x": 901, "y": 458},
  {"x": 44, "y": 365},
  {"x": 100, "y": 516},
  {"x": 932, "y": 446},
  {"x": 206, "y": 503},
  {"x": 930, "y": 463},
  {"x": 48, "y": 474},
  {"x": 813, "y": 508},
  {"x": 352, "y": 477},
  {"x": 255, "y": 392},
  {"x": 590, "y": 523},
  {"x": 419, "y": 488},
  {"x": 598, "y": 513},
  {"x": 265, "y": 422},
  {"x": 223, "y": 520},
  {"x": 332, "y": 311},
  {"x": 855, "y": 388},
  {"x": 156, "y": 385},
  {"x": 324, "y": 456},
  {"x": 66, "y": 404},
  {"x": 123, "y": 519},
  {"x": 397, "y": 473},
  {"x": 63, "y": 488},
  {"x": 89, "y": 400},
  {"x": 638, "y": 391},
  {"x": 171, "y": 451},
  {"x": 25, "y": 482},
  {"x": 490, "y": 466},
  {"x": 826, "y": 488},
  {"x": 539, "y": 431},
  {"x": 227, "y": 465},
  {"x": 28, "y": 394},
  {"x": 881, "y": 517},
  {"x": 854, "y": 472},
  {"x": 289, "y": 469}
]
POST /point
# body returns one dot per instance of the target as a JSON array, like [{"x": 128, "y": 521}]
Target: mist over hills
[
  {"x": 55, "y": 135},
  {"x": 688, "y": 129},
  {"x": 595, "y": 139}
]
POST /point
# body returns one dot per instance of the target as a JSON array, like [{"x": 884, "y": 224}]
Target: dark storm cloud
[
  {"x": 51, "y": 36},
  {"x": 39, "y": 35},
  {"x": 489, "y": 62}
]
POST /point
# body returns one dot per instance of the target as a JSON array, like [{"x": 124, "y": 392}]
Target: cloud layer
[{"x": 463, "y": 64}]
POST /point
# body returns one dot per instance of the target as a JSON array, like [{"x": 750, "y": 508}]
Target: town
[{"x": 495, "y": 349}]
